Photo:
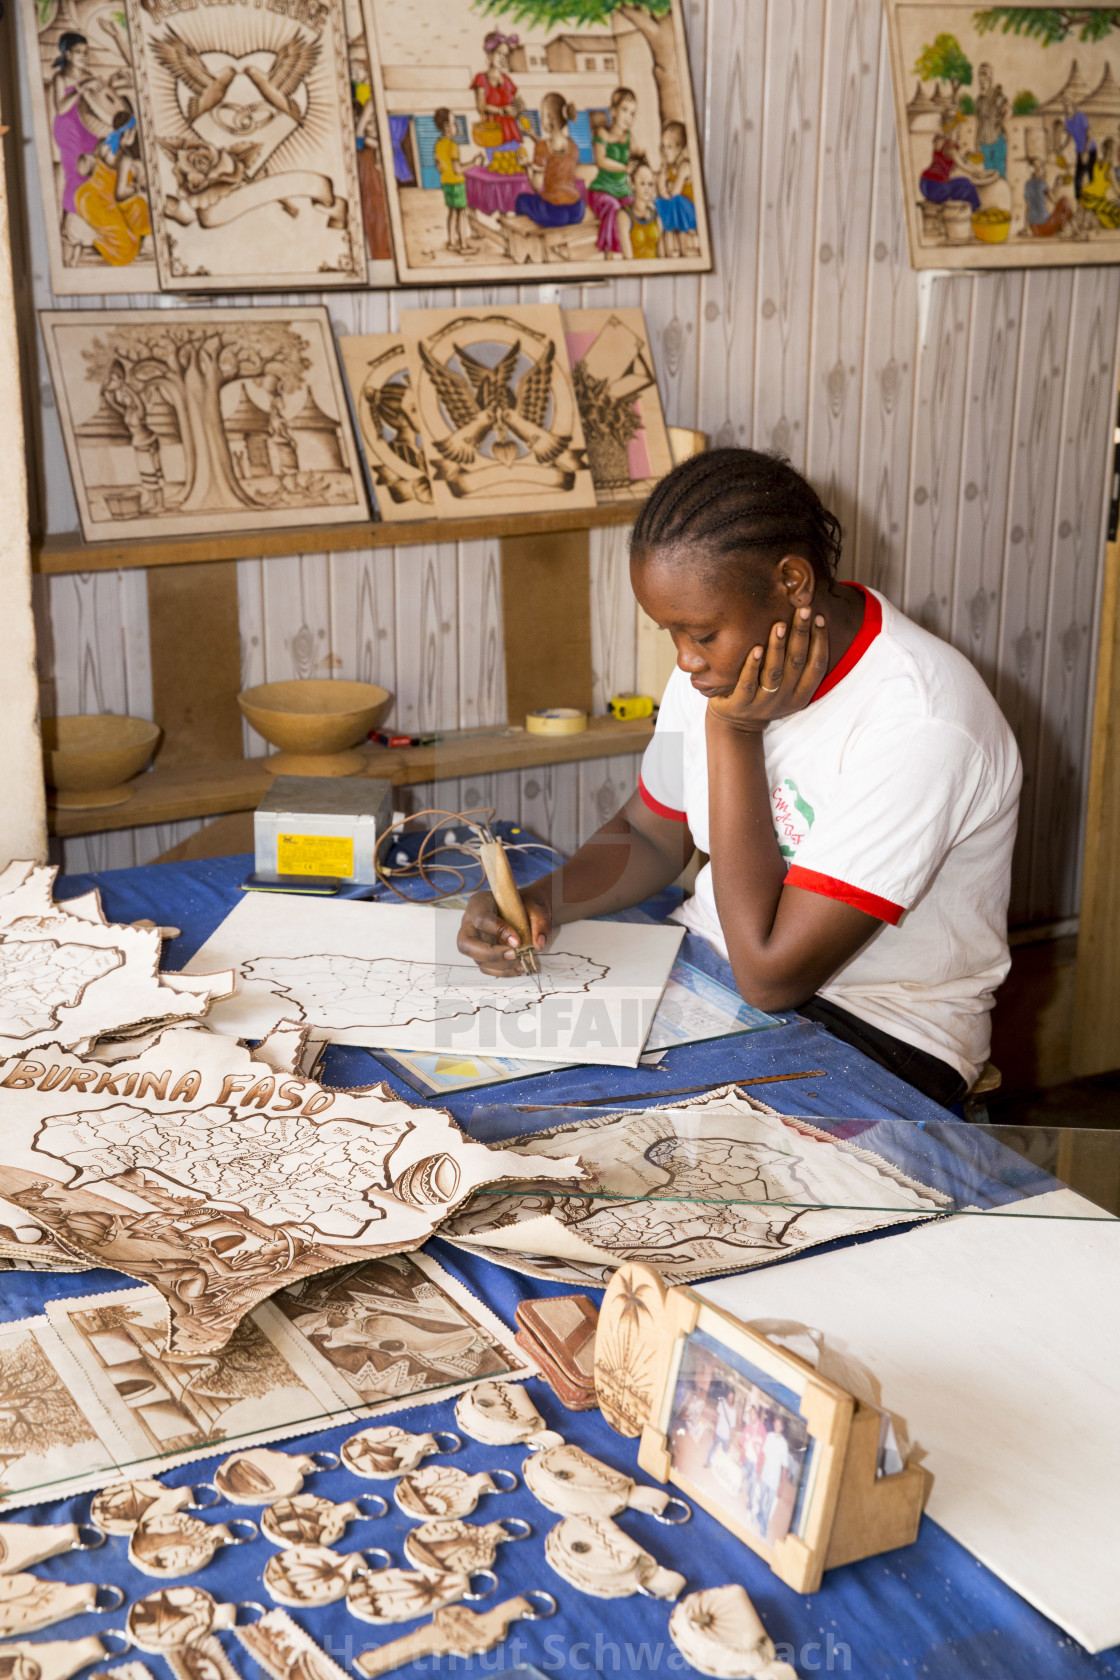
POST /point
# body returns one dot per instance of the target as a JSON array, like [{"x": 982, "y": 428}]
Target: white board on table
[
  {"x": 994, "y": 1337},
  {"x": 389, "y": 976}
]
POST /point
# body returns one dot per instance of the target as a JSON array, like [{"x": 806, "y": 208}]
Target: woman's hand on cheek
[{"x": 779, "y": 679}]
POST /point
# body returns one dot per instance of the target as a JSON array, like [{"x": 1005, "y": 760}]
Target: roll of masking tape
[{"x": 556, "y": 720}]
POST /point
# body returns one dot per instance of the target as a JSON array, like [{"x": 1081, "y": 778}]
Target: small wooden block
[
  {"x": 196, "y": 661},
  {"x": 874, "y": 1514}
]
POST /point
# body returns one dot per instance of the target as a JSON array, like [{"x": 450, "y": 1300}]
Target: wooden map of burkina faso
[
  {"x": 205, "y": 1172},
  {"x": 69, "y": 977},
  {"x": 714, "y": 1186}
]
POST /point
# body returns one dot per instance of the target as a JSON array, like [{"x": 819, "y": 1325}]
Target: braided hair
[{"x": 735, "y": 502}]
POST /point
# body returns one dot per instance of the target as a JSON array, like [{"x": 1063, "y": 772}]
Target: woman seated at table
[
  {"x": 946, "y": 179},
  {"x": 556, "y": 200},
  {"x": 848, "y": 775}
]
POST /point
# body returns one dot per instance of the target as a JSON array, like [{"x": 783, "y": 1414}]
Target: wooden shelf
[
  {"x": 68, "y": 552},
  {"x": 212, "y": 790}
]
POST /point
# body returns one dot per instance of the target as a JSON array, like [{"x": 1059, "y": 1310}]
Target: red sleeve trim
[
  {"x": 656, "y": 806},
  {"x": 865, "y": 635},
  {"x": 829, "y": 887}
]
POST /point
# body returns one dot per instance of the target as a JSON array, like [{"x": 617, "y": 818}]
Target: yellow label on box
[{"x": 314, "y": 854}]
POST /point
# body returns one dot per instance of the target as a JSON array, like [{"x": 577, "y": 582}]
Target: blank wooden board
[{"x": 993, "y": 1336}]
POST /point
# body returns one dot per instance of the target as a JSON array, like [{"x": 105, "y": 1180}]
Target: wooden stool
[
  {"x": 527, "y": 242},
  {"x": 975, "y": 1105}
]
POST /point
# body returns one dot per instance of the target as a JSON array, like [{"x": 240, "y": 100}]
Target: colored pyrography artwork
[
  {"x": 497, "y": 409},
  {"x": 616, "y": 390},
  {"x": 1009, "y": 132},
  {"x": 534, "y": 135},
  {"x": 87, "y": 146},
  {"x": 384, "y": 402},
  {"x": 180, "y": 422},
  {"x": 246, "y": 119},
  {"x": 200, "y": 1170}
]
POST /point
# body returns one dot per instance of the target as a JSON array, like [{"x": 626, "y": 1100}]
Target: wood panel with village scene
[
  {"x": 1009, "y": 133},
  {"x": 180, "y": 422},
  {"x": 246, "y": 116},
  {"x": 547, "y": 135},
  {"x": 87, "y": 147}
]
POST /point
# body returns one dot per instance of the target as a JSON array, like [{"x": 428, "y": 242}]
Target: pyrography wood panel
[{"x": 861, "y": 388}]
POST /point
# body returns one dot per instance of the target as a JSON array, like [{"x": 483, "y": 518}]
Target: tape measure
[
  {"x": 627, "y": 707},
  {"x": 556, "y": 720}
]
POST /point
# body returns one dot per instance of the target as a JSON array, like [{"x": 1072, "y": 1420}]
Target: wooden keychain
[
  {"x": 403, "y": 1595},
  {"x": 385, "y": 1452},
  {"x": 119, "y": 1507},
  {"x": 28, "y": 1603},
  {"x": 442, "y": 1490},
  {"x": 304, "y": 1577},
  {"x": 718, "y": 1631},
  {"x": 597, "y": 1557},
  {"x": 23, "y": 1544},
  {"x": 570, "y": 1482},
  {"x": 176, "y": 1616},
  {"x": 58, "y": 1659},
  {"x": 283, "y": 1649},
  {"x": 306, "y": 1519},
  {"x": 501, "y": 1415},
  {"x": 455, "y": 1631},
  {"x": 260, "y": 1475},
  {"x": 170, "y": 1543},
  {"x": 448, "y": 1543}
]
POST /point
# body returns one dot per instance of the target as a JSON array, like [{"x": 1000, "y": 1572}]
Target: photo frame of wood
[
  {"x": 1007, "y": 120},
  {"x": 246, "y": 116},
  {"x": 195, "y": 420},
  {"x": 782, "y": 1457},
  {"x": 517, "y": 148},
  {"x": 497, "y": 408}
]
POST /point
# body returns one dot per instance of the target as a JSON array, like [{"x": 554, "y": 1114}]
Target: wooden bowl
[
  {"x": 88, "y": 760},
  {"x": 313, "y": 721}
]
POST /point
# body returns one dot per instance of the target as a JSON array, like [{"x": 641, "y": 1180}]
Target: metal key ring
[
  {"x": 115, "y": 1604},
  {"x": 369, "y": 1553},
  {"x": 199, "y": 1504},
  {"x": 482, "y": 1575},
  {"x": 506, "y": 1525},
  {"x": 116, "y": 1633},
  {"x": 330, "y": 1461},
  {"x": 533, "y": 1614},
  {"x": 241, "y": 1539},
  {"x": 663, "y": 1516},
  {"x": 439, "y": 1435},
  {"x": 373, "y": 1499},
  {"x": 98, "y": 1538},
  {"x": 248, "y": 1604},
  {"x": 498, "y": 1488}
]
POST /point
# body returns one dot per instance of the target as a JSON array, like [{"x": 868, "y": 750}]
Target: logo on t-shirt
[{"x": 793, "y": 816}]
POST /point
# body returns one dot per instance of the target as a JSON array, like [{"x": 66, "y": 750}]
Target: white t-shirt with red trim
[{"x": 897, "y": 791}]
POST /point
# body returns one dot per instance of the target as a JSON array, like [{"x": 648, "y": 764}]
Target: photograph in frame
[
  {"x": 736, "y": 1432},
  {"x": 520, "y": 143},
  {"x": 180, "y": 422},
  {"x": 1008, "y": 122}
]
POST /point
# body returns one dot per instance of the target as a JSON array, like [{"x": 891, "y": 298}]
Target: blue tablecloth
[{"x": 930, "y": 1610}]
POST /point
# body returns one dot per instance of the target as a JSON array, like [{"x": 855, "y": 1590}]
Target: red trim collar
[
  {"x": 864, "y": 636},
  {"x": 657, "y": 807}
]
